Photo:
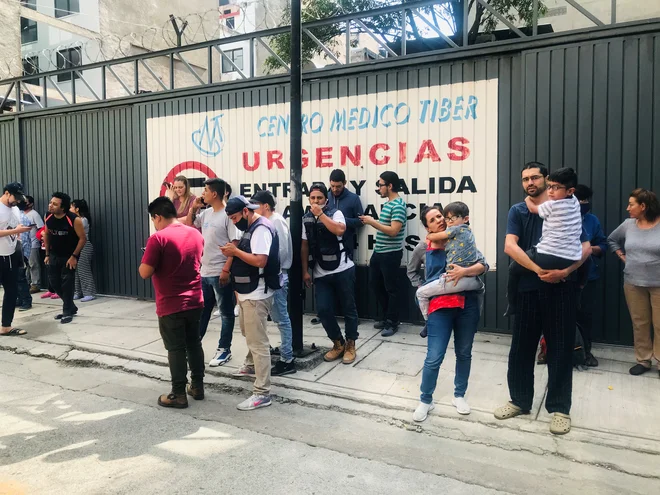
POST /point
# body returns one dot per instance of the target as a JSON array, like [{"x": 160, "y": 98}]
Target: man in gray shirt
[{"x": 217, "y": 231}]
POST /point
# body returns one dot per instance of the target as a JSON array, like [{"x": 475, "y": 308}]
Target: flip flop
[{"x": 14, "y": 332}]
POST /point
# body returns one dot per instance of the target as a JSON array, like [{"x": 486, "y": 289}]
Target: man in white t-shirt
[
  {"x": 255, "y": 273},
  {"x": 217, "y": 231},
  {"x": 280, "y": 311},
  {"x": 333, "y": 271},
  {"x": 10, "y": 260}
]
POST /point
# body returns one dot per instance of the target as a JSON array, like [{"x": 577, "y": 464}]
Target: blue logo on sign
[{"x": 210, "y": 138}]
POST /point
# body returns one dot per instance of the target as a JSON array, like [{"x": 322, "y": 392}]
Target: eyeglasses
[
  {"x": 380, "y": 184},
  {"x": 534, "y": 178},
  {"x": 556, "y": 187},
  {"x": 453, "y": 219}
]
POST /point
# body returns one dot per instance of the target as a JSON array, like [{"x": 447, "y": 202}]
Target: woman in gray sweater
[{"x": 637, "y": 243}]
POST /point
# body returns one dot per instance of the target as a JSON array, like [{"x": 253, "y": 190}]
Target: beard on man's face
[{"x": 534, "y": 191}]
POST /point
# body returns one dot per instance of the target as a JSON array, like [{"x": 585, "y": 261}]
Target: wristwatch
[{"x": 76, "y": 256}]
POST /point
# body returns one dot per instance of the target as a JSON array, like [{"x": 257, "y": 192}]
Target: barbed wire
[
  {"x": 208, "y": 25},
  {"x": 200, "y": 26}
]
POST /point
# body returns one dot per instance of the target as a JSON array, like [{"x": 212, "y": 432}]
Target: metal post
[
  {"x": 209, "y": 63},
  {"x": 18, "y": 97},
  {"x": 466, "y": 15},
  {"x": 404, "y": 32},
  {"x": 296, "y": 208},
  {"x": 45, "y": 93},
  {"x": 535, "y": 18},
  {"x": 177, "y": 30},
  {"x": 104, "y": 94},
  {"x": 136, "y": 75},
  {"x": 613, "y": 12},
  {"x": 252, "y": 55}
]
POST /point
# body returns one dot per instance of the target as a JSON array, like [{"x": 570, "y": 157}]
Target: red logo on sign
[{"x": 190, "y": 165}]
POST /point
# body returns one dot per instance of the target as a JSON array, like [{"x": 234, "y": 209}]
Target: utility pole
[{"x": 295, "y": 153}]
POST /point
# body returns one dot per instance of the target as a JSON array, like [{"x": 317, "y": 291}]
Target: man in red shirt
[{"x": 172, "y": 259}]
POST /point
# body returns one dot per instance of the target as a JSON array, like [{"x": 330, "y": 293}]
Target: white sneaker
[
  {"x": 461, "y": 405},
  {"x": 216, "y": 312},
  {"x": 220, "y": 358},
  {"x": 254, "y": 402},
  {"x": 237, "y": 310},
  {"x": 422, "y": 411}
]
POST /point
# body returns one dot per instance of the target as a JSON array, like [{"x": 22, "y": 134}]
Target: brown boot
[
  {"x": 35, "y": 289},
  {"x": 336, "y": 352},
  {"x": 349, "y": 352},
  {"x": 171, "y": 400},
  {"x": 196, "y": 392}
]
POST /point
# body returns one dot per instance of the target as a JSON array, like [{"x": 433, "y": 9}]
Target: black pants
[
  {"x": 180, "y": 333},
  {"x": 551, "y": 312},
  {"x": 62, "y": 279},
  {"x": 23, "y": 298},
  {"x": 330, "y": 288},
  {"x": 545, "y": 261},
  {"x": 386, "y": 282},
  {"x": 585, "y": 313},
  {"x": 9, "y": 279}
]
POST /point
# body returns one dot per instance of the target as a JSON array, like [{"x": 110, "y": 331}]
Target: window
[
  {"x": 66, "y": 7},
  {"x": 28, "y": 31},
  {"x": 66, "y": 59},
  {"x": 235, "y": 56},
  {"x": 31, "y": 68},
  {"x": 30, "y": 4},
  {"x": 228, "y": 13}
]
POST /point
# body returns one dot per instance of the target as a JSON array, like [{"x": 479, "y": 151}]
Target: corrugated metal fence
[{"x": 592, "y": 105}]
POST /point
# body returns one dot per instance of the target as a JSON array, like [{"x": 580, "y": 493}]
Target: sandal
[
  {"x": 508, "y": 411},
  {"x": 14, "y": 332},
  {"x": 560, "y": 424}
]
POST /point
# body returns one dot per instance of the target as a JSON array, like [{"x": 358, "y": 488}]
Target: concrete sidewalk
[{"x": 621, "y": 408}]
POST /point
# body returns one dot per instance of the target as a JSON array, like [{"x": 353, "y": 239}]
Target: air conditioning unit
[{"x": 363, "y": 55}]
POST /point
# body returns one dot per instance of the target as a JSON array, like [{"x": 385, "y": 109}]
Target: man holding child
[{"x": 545, "y": 300}]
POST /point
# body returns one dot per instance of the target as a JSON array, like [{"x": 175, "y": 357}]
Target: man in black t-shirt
[
  {"x": 64, "y": 239},
  {"x": 548, "y": 302}
]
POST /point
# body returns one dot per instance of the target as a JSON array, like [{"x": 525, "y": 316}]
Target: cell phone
[{"x": 167, "y": 184}]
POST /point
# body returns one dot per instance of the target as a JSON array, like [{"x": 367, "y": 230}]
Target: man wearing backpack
[{"x": 255, "y": 273}]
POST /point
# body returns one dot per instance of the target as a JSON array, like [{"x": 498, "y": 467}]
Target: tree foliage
[{"x": 445, "y": 16}]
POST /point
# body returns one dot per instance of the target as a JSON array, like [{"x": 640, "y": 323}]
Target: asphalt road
[{"x": 62, "y": 432}]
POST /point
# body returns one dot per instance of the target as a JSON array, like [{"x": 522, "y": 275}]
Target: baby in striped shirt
[{"x": 560, "y": 245}]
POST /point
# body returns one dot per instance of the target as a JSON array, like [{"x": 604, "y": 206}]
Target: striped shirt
[
  {"x": 562, "y": 228},
  {"x": 393, "y": 211}
]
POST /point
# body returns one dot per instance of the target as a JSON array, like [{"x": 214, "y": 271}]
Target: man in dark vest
[
  {"x": 333, "y": 270},
  {"x": 64, "y": 239},
  {"x": 255, "y": 273}
]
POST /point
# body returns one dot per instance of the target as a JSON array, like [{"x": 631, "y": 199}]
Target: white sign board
[{"x": 441, "y": 140}]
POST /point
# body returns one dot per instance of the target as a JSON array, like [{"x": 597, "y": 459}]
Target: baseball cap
[
  {"x": 237, "y": 203},
  {"x": 16, "y": 190},
  {"x": 264, "y": 198}
]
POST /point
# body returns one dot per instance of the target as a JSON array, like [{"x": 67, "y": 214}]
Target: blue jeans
[
  {"x": 439, "y": 326},
  {"x": 330, "y": 288},
  {"x": 279, "y": 312},
  {"x": 224, "y": 297}
]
